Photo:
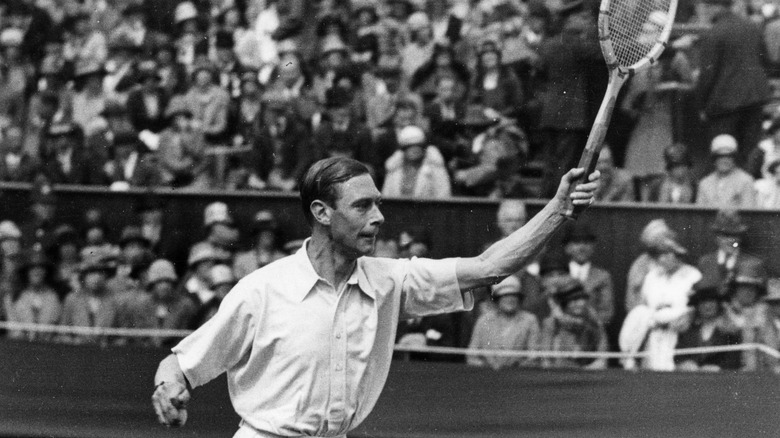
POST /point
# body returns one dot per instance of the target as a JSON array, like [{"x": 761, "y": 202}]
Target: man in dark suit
[
  {"x": 69, "y": 164},
  {"x": 15, "y": 164},
  {"x": 733, "y": 85},
  {"x": 565, "y": 117},
  {"x": 720, "y": 268},
  {"x": 342, "y": 135},
  {"x": 146, "y": 104},
  {"x": 130, "y": 168},
  {"x": 580, "y": 245}
]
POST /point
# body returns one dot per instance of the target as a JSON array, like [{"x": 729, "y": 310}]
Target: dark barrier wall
[{"x": 90, "y": 392}]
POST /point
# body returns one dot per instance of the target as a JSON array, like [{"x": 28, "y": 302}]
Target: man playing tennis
[{"x": 307, "y": 340}]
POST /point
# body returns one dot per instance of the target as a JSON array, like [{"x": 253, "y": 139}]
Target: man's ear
[{"x": 321, "y": 212}]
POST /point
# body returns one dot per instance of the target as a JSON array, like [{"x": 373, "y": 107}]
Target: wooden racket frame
[{"x": 618, "y": 75}]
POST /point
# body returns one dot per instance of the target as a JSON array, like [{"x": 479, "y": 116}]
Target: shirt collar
[{"x": 309, "y": 277}]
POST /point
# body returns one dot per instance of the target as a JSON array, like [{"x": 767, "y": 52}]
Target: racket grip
[{"x": 588, "y": 162}]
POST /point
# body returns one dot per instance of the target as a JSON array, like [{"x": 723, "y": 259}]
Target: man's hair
[{"x": 320, "y": 180}]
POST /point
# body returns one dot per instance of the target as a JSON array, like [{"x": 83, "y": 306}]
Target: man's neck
[{"x": 328, "y": 262}]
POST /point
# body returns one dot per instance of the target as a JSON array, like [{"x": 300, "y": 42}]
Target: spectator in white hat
[
  {"x": 221, "y": 281},
  {"x": 203, "y": 257},
  {"x": 727, "y": 185},
  {"x": 508, "y": 328},
  {"x": 171, "y": 309},
  {"x": 768, "y": 188},
  {"x": 416, "y": 169}
]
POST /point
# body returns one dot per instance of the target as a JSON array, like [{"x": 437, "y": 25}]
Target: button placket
[{"x": 337, "y": 409}]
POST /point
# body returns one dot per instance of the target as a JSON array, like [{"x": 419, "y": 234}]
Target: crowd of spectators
[{"x": 488, "y": 98}]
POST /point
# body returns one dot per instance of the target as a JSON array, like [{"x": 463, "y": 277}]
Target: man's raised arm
[{"x": 511, "y": 254}]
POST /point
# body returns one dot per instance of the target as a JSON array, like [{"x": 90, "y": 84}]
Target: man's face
[
  {"x": 708, "y": 309},
  {"x": 340, "y": 116},
  {"x": 509, "y": 304},
  {"x": 163, "y": 290},
  {"x": 414, "y": 153},
  {"x": 728, "y": 243},
  {"x": 10, "y": 247},
  {"x": 203, "y": 78},
  {"x": 94, "y": 281},
  {"x": 725, "y": 164},
  {"x": 580, "y": 252},
  {"x": 446, "y": 90},
  {"x": 356, "y": 219},
  {"x": 577, "y": 307},
  {"x": 63, "y": 144},
  {"x": 404, "y": 117},
  {"x": 509, "y": 219},
  {"x": 13, "y": 139}
]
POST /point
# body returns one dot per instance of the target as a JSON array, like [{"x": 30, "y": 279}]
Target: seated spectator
[
  {"x": 41, "y": 221},
  {"x": 133, "y": 258},
  {"x": 340, "y": 134},
  {"x": 293, "y": 83},
  {"x": 766, "y": 153},
  {"x": 493, "y": 155},
  {"x": 747, "y": 314},
  {"x": 506, "y": 328},
  {"x": 414, "y": 241},
  {"x": 169, "y": 308},
  {"x": 221, "y": 281},
  {"x": 442, "y": 62},
  {"x": 282, "y": 148},
  {"x": 663, "y": 311},
  {"x": 228, "y": 67},
  {"x": 36, "y": 302},
  {"x": 579, "y": 245},
  {"x": 16, "y": 164},
  {"x": 406, "y": 112},
  {"x": 768, "y": 188},
  {"x": 146, "y": 103},
  {"x": 208, "y": 102},
  {"x": 69, "y": 163},
  {"x": 166, "y": 239},
  {"x": 727, "y": 186},
  {"x": 245, "y": 110},
  {"x": 129, "y": 168},
  {"x": 495, "y": 86},
  {"x": 389, "y": 97},
  {"x": 676, "y": 185},
  {"x": 10, "y": 251},
  {"x": 445, "y": 113},
  {"x": 92, "y": 304},
  {"x": 83, "y": 43},
  {"x": 572, "y": 326},
  {"x": 67, "y": 258},
  {"x": 15, "y": 78},
  {"x": 772, "y": 327},
  {"x": 707, "y": 330},
  {"x": 616, "y": 184},
  {"x": 334, "y": 55},
  {"x": 90, "y": 97},
  {"x": 220, "y": 228},
  {"x": 720, "y": 267},
  {"x": 416, "y": 169},
  {"x": 100, "y": 140},
  {"x": 267, "y": 243},
  {"x": 182, "y": 150},
  {"x": 173, "y": 74},
  {"x": 421, "y": 44},
  {"x": 197, "y": 283}
]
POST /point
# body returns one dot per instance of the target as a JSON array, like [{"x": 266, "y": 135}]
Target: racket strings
[{"x": 635, "y": 26}]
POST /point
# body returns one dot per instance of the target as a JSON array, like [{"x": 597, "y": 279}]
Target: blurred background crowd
[{"x": 440, "y": 98}]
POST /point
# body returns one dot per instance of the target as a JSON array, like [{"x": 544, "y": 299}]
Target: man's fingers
[{"x": 158, "y": 411}]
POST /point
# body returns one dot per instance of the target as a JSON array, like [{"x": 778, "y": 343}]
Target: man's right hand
[{"x": 170, "y": 403}]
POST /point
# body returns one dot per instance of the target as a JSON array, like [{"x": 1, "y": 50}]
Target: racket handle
[{"x": 588, "y": 162}]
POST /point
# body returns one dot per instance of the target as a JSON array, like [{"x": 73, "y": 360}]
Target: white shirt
[{"x": 303, "y": 359}]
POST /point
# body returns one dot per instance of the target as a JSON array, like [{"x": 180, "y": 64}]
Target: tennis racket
[{"x": 632, "y": 35}]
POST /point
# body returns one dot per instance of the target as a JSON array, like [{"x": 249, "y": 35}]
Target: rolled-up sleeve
[
  {"x": 220, "y": 343},
  {"x": 431, "y": 287}
]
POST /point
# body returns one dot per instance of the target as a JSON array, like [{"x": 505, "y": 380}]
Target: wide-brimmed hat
[
  {"x": 184, "y": 11},
  {"x": 147, "y": 69},
  {"x": 411, "y": 136},
  {"x": 264, "y": 220},
  {"x": 509, "y": 286},
  {"x": 477, "y": 117},
  {"x": 750, "y": 272},
  {"x": 579, "y": 232},
  {"x": 161, "y": 270},
  {"x": 215, "y": 213},
  {"x": 709, "y": 293},
  {"x": 332, "y": 44},
  {"x": 727, "y": 222},
  {"x": 35, "y": 258},
  {"x": 568, "y": 5},
  {"x": 133, "y": 233},
  {"x": 723, "y": 145},
  {"x": 220, "y": 275},
  {"x": 64, "y": 129},
  {"x": 204, "y": 251},
  {"x": 566, "y": 288},
  {"x": 177, "y": 106},
  {"x": 97, "y": 259},
  {"x": 9, "y": 231}
]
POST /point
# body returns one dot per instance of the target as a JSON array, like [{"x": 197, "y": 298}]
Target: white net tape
[{"x": 160, "y": 333}]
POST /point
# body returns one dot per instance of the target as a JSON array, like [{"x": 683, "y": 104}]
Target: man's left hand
[{"x": 583, "y": 193}]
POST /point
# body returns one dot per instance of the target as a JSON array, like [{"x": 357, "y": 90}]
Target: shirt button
[{"x": 338, "y": 336}]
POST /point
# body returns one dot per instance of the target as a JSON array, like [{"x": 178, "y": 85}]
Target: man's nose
[{"x": 377, "y": 218}]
